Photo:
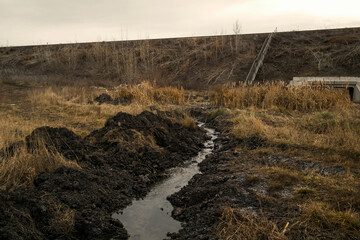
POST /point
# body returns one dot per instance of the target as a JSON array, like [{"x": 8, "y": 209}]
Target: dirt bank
[
  {"x": 196, "y": 62},
  {"x": 119, "y": 162}
]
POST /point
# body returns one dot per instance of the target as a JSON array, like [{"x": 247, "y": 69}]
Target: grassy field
[{"x": 316, "y": 125}]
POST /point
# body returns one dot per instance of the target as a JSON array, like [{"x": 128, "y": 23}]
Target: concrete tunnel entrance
[{"x": 351, "y": 83}]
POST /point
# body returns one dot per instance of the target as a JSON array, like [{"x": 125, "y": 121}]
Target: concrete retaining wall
[{"x": 336, "y": 82}]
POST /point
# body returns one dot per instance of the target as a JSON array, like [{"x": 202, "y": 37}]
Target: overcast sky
[{"x": 28, "y": 22}]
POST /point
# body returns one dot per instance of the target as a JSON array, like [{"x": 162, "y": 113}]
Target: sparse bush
[{"x": 344, "y": 39}]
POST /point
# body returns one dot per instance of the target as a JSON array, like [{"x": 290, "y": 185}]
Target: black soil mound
[
  {"x": 120, "y": 161},
  {"x": 61, "y": 140},
  {"x": 106, "y": 98}
]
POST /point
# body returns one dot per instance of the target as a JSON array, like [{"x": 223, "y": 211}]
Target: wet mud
[
  {"x": 126, "y": 158},
  {"x": 150, "y": 218},
  {"x": 119, "y": 162},
  {"x": 228, "y": 179}
]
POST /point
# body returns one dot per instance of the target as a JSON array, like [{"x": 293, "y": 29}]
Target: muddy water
[{"x": 150, "y": 218}]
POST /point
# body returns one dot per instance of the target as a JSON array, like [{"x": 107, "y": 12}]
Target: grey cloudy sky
[{"x": 27, "y": 22}]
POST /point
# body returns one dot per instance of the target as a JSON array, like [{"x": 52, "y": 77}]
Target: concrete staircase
[{"x": 259, "y": 60}]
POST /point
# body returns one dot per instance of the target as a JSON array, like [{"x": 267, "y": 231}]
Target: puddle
[{"x": 150, "y": 218}]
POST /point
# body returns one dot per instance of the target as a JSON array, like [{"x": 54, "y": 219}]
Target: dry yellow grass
[
  {"x": 146, "y": 93},
  {"x": 337, "y": 130},
  {"x": 278, "y": 95},
  {"x": 70, "y": 107},
  {"x": 304, "y": 117},
  {"x": 23, "y": 166},
  {"x": 63, "y": 218},
  {"x": 237, "y": 225},
  {"x": 319, "y": 217},
  {"x": 188, "y": 122},
  {"x": 312, "y": 124}
]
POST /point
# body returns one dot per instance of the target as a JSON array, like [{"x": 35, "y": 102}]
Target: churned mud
[
  {"x": 150, "y": 218},
  {"x": 119, "y": 162},
  {"x": 132, "y": 155}
]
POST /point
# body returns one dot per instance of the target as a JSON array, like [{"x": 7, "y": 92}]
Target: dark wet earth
[
  {"x": 150, "y": 218},
  {"x": 120, "y": 162},
  {"x": 146, "y": 157}
]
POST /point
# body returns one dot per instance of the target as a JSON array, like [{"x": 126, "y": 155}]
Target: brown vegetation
[
  {"x": 74, "y": 108},
  {"x": 63, "y": 218},
  {"x": 306, "y": 127},
  {"x": 320, "y": 217},
  {"x": 147, "y": 94},
  {"x": 279, "y": 95},
  {"x": 195, "y": 62},
  {"x": 238, "y": 225},
  {"x": 302, "y": 118},
  {"x": 22, "y": 167}
]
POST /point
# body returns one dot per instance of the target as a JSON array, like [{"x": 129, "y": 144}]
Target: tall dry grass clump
[
  {"x": 319, "y": 217},
  {"x": 337, "y": 130},
  {"x": 144, "y": 93},
  {"x": 237, "y": 225},
  {"x": 72, "y": 107},
  {"x": 311, "y": 117},
  {"x": 60, "y": 95},
  {"x": 147, "y": 93},
  {"x": 279, "y": 95},
  {"x": 21, "y": 166},
  {"x": 63, "y": 220}
]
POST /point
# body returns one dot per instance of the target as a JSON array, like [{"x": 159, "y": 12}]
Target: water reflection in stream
[{"x": 150, "y": 218}]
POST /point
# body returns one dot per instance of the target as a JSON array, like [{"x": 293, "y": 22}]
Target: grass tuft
[
  {"x": 21, "y": 166},
  {"x": 238, "y": 225},
  {"x": 320, "y": 217},
  {"x": 71, "y": 107},
  {"x": 147, "y": 93},
  {"x": 63, "y": 219},
  {"x": 305, "y": 191},
  {"x": 188, "y": 122}
]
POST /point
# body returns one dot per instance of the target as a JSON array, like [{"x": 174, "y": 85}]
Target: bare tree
[{"x": 237, "y": 31}]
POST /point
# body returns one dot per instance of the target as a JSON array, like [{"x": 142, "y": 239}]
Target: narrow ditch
[{"x": 150, "y": 218}]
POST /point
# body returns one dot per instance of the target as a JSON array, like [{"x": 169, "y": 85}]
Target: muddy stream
[{"x": 150, "y": 218}]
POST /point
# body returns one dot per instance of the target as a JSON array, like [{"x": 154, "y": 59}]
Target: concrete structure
[
  {"x": 352, "y": 83},
  {"x": 259, "y": 60}
]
